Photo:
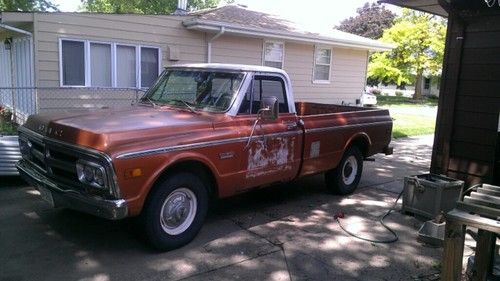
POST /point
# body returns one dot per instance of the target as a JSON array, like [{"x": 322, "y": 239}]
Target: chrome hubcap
[
  {"x": 350, "y": 170},
  {"x": 178, "y": 211}
]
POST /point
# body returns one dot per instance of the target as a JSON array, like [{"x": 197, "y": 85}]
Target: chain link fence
[{"x": 23, "y": 102}]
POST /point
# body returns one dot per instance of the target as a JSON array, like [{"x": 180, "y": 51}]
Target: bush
[
  {"x": 399, "y": 94},
  {"x": 5, "y": 114},
  {"x": 376, "y": 92}
]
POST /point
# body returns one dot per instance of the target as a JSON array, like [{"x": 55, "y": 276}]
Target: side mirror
[{"x": 269, "y": 108}]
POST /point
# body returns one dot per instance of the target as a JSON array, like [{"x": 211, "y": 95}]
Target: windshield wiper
[
  {"x": 149, "y": 101},
  {"x": 185, "y": 103}
]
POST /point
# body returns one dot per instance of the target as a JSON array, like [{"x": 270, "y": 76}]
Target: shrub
[
  {"x": 376, "y": 91},
  {"x": 5, "y": 114},
  {"x": 399, "y": 94}
]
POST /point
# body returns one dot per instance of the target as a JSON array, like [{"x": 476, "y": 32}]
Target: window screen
[
  {"x": 125, "y": 66},
  {"x": 100, "y": 65},
  {"x": 273, "y": 54},
  {"x": 322, "y": 63},
  {"x": 73, "y": 63},
  {"x": 149, "y": 66}
]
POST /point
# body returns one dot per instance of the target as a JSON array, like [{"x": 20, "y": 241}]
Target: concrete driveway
[{"x": 285, "y": 232}]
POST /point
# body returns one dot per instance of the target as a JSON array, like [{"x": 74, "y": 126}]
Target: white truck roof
[{"x": 234, "y": 67}]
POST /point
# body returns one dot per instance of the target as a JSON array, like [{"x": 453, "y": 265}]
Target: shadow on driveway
[{"x": 280, "y": 233}]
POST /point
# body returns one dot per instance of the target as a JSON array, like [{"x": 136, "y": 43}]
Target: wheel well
[
  {"x": 362, "y": 143},
  {"x": 197, "y": 168}
]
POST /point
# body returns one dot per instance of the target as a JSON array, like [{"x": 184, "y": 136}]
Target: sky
[{"x": 313, "y": 12}]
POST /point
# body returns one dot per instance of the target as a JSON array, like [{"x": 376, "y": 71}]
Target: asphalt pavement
[{"x": 284, "y": 232}]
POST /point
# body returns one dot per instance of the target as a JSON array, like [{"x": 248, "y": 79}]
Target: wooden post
[
  {"x": 453, "y": 251},
  {"x": 485, "y": 250}
]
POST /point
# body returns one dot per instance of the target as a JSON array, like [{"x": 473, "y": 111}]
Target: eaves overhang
[
  {"x": 214, "y": 26},
  {"x": 429, "y": 6}
]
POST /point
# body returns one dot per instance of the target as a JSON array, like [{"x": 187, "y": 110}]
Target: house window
[
  {"x": 97, "y": 64},
  {"x": 322, "y": 64},
  {"x": 125, "y": 66},
  {"x": 100, "y": 65},
  {"x": 73, "y": 63},
  {"x": 149, "y": 66},
  {"x": 274, "y": 54},
  {"x": 427, "y": 83}
]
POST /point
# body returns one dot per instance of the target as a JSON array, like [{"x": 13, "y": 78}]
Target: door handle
[{"x": 291, "y": 125}]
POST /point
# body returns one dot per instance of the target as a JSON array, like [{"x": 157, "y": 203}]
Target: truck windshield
[{"x": 195, "y": 89}]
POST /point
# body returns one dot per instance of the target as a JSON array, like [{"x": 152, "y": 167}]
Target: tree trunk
[{"x": 418, "y": 86}]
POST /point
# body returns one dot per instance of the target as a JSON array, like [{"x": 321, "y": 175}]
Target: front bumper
[{"x": 108, "y": 209}]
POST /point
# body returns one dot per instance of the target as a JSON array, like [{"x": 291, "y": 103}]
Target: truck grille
[{"x": 55, "y": 163}]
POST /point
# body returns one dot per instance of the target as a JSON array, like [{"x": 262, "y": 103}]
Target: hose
[{"x": 391, "y": 240}]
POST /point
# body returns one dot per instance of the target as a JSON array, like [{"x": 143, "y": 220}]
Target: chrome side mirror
[{"x": 269, "y": 108}]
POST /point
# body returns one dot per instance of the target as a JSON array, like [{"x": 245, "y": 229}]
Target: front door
[{"x": 273, "y": 152}]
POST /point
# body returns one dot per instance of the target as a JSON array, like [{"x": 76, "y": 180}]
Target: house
[
  {"x": 97, "y": 58},
  {"x": 467, "y": 140},
  {"x": 430, "y": 88}
]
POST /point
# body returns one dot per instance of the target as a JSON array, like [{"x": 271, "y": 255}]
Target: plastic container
[
  {"x": 432, "y": 233},
  {"x": 428, "y": 194}
]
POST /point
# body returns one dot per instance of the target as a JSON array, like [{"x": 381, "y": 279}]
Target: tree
[
  {"x": 371, "y": 21},
  {"x": 143, "y": 6},
  {"x": 419, "y": 40},
  {"x": 27, "y": 5}
]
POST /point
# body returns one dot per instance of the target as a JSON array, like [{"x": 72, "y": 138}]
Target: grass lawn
[
  {"x": 406, "y": 125},
  {"x": 383, "y": 101},
  {"x": 411, "y": 118}
]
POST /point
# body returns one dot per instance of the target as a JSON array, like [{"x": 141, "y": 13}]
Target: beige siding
[
  {"x": 232, "y": 49},
  {"x": 348, "y": 71},
  {"x": 347, "y": 77},
  {"x": 158, "y": 31}
]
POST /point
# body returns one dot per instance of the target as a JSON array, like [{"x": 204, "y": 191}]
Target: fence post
[{"x": 14, "y": 110}]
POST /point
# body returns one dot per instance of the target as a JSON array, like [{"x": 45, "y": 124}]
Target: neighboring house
[
  {"x": 467, "y": 141},
  {"x": 109, "y": 51},
  {"x": 430, "y": 87}
]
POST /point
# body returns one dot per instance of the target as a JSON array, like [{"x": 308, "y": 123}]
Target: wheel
[
  {"x": 345, "y": 178},
  {"x": 174, "y": 211}
]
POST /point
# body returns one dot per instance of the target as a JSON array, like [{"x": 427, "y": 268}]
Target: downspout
[{"x": 209, "y": 45}]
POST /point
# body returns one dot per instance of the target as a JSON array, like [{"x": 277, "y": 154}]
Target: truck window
[{"x": 264, "y": 86}]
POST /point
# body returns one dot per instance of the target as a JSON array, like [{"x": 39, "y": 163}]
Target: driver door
[{"x": 274, "y": 150}]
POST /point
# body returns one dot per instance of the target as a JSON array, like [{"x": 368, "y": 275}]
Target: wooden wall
[{"x": 468, "y": 115}]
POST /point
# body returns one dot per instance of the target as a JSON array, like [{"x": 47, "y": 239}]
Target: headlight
[
  {"x": 25, "y": 147},
  {"x": 91, "y": 173}
]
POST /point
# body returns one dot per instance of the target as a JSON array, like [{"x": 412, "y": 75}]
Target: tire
[
  {"x": 345, "y": 178},
  {"x": 174, "y": 211}
]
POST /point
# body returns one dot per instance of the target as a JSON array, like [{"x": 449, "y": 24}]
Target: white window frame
[
  {"x": 113, "y": 61},
  {"x": 264, "y": 52},
  {"x": 314, "y": 80}
]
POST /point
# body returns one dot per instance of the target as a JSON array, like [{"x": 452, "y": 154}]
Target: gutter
[
  {"x": 15, "y": 29},
  {"x": 209, "y": 44},
  {"x": 202, "y": 25}
]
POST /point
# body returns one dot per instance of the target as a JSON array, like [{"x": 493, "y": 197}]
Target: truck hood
[{"x": 100, "y": 129}]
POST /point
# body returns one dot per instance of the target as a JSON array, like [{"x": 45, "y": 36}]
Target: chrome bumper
[{"x": 108, "y": 209}]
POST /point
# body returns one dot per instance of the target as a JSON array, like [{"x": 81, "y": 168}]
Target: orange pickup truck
[{"x": 202, "y": 131}]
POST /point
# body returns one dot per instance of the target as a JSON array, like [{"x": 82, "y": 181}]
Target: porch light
[{"x": 7, "y": 43}]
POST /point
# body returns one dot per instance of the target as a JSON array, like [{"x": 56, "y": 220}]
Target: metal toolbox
[{"x": 429, "y": 194}]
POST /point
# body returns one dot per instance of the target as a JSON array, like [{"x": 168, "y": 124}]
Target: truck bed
[{"x": 309, "y": 108}]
